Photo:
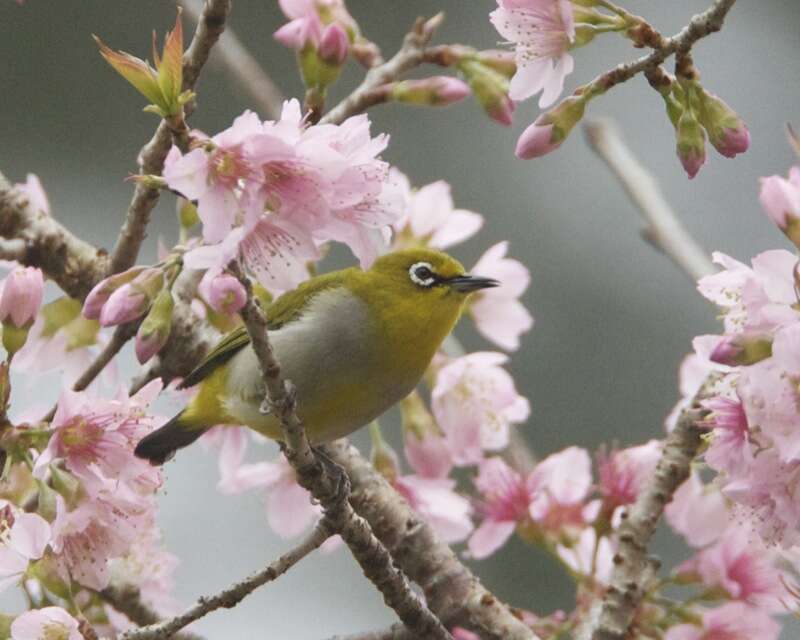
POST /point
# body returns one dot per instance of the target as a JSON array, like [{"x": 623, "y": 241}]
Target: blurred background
[{"x": 613, "y": 317}]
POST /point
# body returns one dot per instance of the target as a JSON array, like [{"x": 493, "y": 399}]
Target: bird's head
[{"x": 428, "y": 274}]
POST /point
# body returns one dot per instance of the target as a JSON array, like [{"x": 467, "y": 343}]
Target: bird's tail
[{"x": 161, "y": 445}]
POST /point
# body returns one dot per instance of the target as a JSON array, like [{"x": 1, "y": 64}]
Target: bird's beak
[{"x": 468, "y": 284}]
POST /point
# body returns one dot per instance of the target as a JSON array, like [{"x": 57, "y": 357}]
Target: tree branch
[
  {"x": 375, "y": 561},
  {"x": 232, "y": 596},
  {"x": 70, "y": 262},
  {"x": 451, "y": 590},
  {"x": 611, "y": 617},
  {"x": 700, "y": 26},
  {"x": 410, "y": 55},
  {"x": 662, "y": 229},
  {"x": 263, "y": 91},
  {"x": 152, "y": 156}
]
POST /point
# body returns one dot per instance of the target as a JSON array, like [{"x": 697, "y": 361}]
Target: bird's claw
[{"x": 339, "y": 477}]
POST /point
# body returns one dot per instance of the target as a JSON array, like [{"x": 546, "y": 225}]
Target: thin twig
[
  {"x": 410, "y": 55},
  {"x": 263, "y": 91},
  {"x": 375, "y": 561},
  {"x": 233, "y": 595},
  {"x": 700, "y": 26},
  {"x": 633, "y": 571},
  {"x": 663, "y": 229},
  {"x": 152, "y": 156},
  {"x": 127, "y": 600}
]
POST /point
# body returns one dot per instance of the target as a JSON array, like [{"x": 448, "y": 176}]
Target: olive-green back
[{"x": 285, "y": 309}]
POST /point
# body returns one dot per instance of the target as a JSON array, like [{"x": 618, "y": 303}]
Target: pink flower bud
[
  {"x": 726, "y": 130},
  {"x": 550, "y": 129},
  {"x": 732, "y": 141},
  {"x": 223, "y": 293},
  {"x": 22, "y": 296},
  {"x": 433, "y": 91},
  {"x": 781, "y": 201},
  {"x": 102, "y": 291},
  {"x": 124, "y": 305},
  {"x": 536, "y": 141},
  {"x": 691, "y": 147},
  {"x": 132, "y": 299},
  {"x": 502, "y": 111},
  {"x": 742, "y": 349},
  {"x": 334, "y": 44}
]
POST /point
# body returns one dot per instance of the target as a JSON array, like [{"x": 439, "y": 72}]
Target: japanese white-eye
[{"x": 352, "y": 342}]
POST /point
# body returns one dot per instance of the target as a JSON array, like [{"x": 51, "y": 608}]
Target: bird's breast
[{"x": 336, "y": 358}]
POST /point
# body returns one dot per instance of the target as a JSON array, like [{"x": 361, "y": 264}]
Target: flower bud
[
  {"x": 383, "y": 457},
  {"x": 742, "y": 349},
  {"x": 223, "y": 293},
  {"x": 504, "y": 62},
  {"x": 490, "y": 89},
  {"x": 549, "y": 130},
  {"x": 132, "y": 299},
  {"x": 153, "y": 333},
  {"x": 726, "y": 130},
  {"x": 334, "y": 44},
  {"x": 102, "y": 291},
  {"x": 21, "y": 296},
  {"x": 433, "y": 91},
  {"x": 781, "y": 201},
  {"x": 691, "y": 146}
]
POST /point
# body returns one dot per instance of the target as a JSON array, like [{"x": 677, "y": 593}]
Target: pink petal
[{"x": 489, "y": 537}]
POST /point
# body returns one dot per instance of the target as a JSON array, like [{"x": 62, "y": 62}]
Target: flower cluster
[
  {"x": 272, "y": 192},
  {"x": 95, "y": 518}
]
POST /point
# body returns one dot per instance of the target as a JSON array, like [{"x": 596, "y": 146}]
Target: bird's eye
[{"x": 421, "y": 273}]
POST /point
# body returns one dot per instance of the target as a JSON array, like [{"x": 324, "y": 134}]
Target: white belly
[{"x": 326, "y": 354}]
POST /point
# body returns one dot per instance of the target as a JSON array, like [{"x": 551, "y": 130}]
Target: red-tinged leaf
[
  {"x": 134, "y": 70},
  {"x": 170, "y": 69}
]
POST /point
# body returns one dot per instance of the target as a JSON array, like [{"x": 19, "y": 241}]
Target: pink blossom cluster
[
  {"x": 272, "y": 192},
  {"x": 96, "y": 509},
  {"x": 754, "y": 418}
]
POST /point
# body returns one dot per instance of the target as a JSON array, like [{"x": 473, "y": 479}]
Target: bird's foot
[
  {"x": 284, "y": 405},
  {"x": 339, "y": 478}
]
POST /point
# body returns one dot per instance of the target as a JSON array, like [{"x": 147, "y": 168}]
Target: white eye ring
[{"x": 428, "y": 280}]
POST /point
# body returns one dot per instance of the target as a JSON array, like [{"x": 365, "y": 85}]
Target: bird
[{"x": 351, "y": 342}]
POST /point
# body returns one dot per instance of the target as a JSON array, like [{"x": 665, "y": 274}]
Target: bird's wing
[{"x": 284, "y": 310}]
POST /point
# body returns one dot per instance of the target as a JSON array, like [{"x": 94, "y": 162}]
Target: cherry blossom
[
  {"x": 543, "y": 31},
  {"x": 498, "y": 313},
  {"x": 432, "y": 218},
  {"x": 475, "y": 403},
  {"x": 742, "y": 567},
  {"x": 45, "y": 623},
  {"x": 732, "y": 621},
  {"x": 23, "y": 537},
  {"x": 504, "y": 503}
]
